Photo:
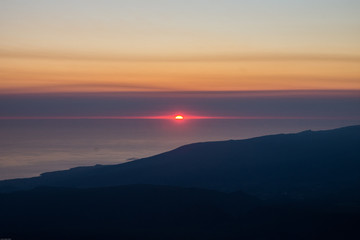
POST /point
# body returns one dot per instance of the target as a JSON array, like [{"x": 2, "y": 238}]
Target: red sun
[{"x": 179, "y": 117}]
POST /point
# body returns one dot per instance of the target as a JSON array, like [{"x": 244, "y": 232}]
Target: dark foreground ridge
[
  {"x": 164, "y": 212},
  {"x": 298, "y": 166}
]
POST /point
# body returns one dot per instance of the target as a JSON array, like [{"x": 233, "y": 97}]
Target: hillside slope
[{"x": 310, "y": 163}]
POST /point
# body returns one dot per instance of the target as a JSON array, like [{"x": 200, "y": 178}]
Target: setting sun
[{"x": 179, "y": 117}]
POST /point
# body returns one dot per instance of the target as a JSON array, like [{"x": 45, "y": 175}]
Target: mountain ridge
[{"x": 309, "y": 161}]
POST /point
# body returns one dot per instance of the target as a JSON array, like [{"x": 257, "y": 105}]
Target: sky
[
  {"x": 79, "y": 46},
  {"x": 312, "y": 105}
]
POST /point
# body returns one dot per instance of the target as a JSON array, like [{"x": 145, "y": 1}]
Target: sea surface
[{"x": 31, "y": 147}]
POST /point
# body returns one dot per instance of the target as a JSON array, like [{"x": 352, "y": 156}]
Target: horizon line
[{"x": 172, "y": 117}]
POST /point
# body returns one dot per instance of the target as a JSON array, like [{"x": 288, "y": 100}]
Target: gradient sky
[{"x": 171, "y": 45}]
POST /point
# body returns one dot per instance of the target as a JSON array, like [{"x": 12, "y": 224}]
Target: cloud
[
  {"x": 84, "y": 87},
  {"x": 234, "y": 57},
  {"x": 253, "y": 104}
]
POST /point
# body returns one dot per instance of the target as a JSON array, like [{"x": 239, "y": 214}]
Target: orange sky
[{"x": 91, "y": 46}]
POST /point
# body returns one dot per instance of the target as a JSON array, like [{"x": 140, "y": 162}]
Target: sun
[{"x": 179, "y": 117}]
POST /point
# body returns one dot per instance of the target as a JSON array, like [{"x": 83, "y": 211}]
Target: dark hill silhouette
[
  {"x": 308, "y": 164},
  {"x": 60, "y": 213},
  {"x": 164, "y": 212}
]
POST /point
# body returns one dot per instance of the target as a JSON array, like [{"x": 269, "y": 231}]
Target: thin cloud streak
[
  {"x": 192, "y": 94},
  {"x": 74, "y": 88},
  {"x": 220, "y": 57}
]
